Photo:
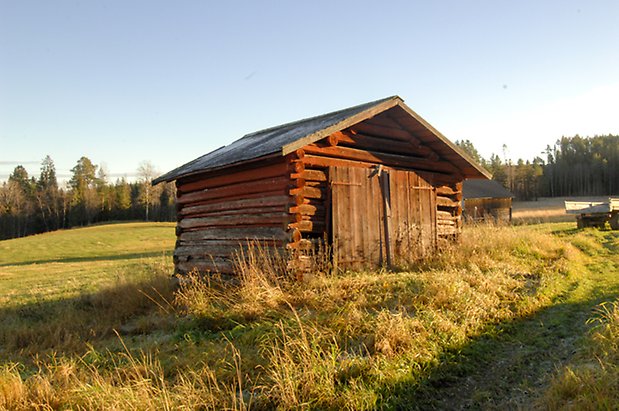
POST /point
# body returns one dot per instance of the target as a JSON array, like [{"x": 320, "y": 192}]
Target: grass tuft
[{"x": 592, "y": 382}]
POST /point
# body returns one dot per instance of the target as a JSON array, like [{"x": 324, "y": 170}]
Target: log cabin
[
  {"x": 376, "y": 181},
  {"x": 486, "y": 200}
]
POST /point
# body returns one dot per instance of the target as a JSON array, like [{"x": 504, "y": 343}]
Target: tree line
[
  {"x": 573, "y": 166},
  {"x": 31, "y": 205}
]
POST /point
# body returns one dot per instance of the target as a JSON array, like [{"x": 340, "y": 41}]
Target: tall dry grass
[
  {"x": 337, "y": 338},
  {"x": 129, "y": 382},
  {"x": 68, "y": 325},
  {"x": 271, "y": 341}
]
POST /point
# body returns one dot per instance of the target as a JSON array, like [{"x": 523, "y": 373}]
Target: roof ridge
[{"x": 297, "y": 122}]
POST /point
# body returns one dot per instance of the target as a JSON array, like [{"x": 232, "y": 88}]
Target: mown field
[
  {"x": 545, "y": 210},
  {"x": 511, "y": 317}
]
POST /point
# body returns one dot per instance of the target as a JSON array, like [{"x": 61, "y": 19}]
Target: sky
[{"x": 127, "y": 81}]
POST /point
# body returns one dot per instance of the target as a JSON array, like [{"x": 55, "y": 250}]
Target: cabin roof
[
  {"x": 286, "y": 138},
  {"x": 484, "y": 189}
]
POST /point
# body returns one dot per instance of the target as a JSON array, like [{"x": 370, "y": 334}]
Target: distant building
[{"x": 486, "y": 200}]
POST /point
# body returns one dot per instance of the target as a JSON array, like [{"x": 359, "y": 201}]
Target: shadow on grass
[
  {"x": 110, "y": 257},
  {"x": 69, "y": 325},
  {"x": 505, "y": 367},
  {"x": 611, "y": 241}
]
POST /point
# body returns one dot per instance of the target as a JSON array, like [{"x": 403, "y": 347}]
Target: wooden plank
[
  {"x": 308, "y": 192},
  {"x": 408, "y": 218},
  {"x": 385, "y": 132},
  {"x": 446, "y": 202},
  {"x": 447, "y": 222},
  {"x": 307, "y": 209},
  {"x": 207, "y": 251},
  {"x": 304, "y": 245},
  {"x": 429, "y": 225},
  {"x": 232, "y": 220},
  {"x": 446, "y": 230},
  {"x": 199, "y": 174},
  {"x": 383, "y": 119},
  {"x": 247, "y": 211},
  {"x": 279, "y": 192},
  {"x": 205, "y": 266},
  {"x": 396, "y": 160},
  {"x": 208, "y": 243},
  {"x": 236, "y": 233},
  {"x": 235, "y": 190},
  {"x": 386, "y": 200},
  {"x": 308, "y": 226},
  {"x": 403, "y": 227},
  {"x": 217, "y": 250},
  {"x": 317, "y": 184},
  {"x": 363, "y": 141},
  {"x": 444, "y": 215},
  {"x": 446, "y": 191},
  {"x": 241, "y": 204},
  {"x": 314, "y": 175},
  {"x": 260, "y": 173}
]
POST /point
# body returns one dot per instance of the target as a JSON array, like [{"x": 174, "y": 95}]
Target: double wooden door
[{"x": 380, "y": 217}]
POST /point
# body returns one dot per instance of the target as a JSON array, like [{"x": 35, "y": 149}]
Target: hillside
[
  {"x": 66, "y": 263},
  {"x": 89, "y": 320}
]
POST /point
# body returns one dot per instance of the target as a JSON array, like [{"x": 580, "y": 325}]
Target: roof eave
[{"x": 197, "y": 172}]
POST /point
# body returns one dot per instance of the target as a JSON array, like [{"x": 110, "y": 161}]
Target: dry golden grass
[
  {"x": 69, "y": 324},
  {"x": 349, "y": 330},
  {"x": 270, "y": 341}
]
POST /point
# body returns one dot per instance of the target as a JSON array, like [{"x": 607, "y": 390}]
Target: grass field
[
  {"x": 89, "y": 320},
  {"x": 546, "y": 210},
  {"x": 68, "y": 263}
]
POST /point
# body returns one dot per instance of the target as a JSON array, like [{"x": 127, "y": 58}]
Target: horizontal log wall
[
  {"x": 449, "y": 209},
  {"x": 221, "y": 213},
  {"x": 308, "y": 194}
]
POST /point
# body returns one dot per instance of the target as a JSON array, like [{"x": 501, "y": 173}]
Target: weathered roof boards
[{"x": 376, "y": 181}]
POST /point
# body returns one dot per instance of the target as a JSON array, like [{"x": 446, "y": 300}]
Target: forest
[
  {"x": 31, "y": 205},
  {"x": 573, "y": 166}
]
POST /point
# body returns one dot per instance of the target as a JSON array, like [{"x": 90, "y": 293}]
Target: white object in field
[{"x": 592, "y": 207}]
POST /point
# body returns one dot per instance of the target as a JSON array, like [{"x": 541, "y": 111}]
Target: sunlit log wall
[
  {"x": 284, "y": 201},
  {"x": 218, "y": 212}
]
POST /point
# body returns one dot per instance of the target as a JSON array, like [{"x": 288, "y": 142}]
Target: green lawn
[{"x": 67, "y": 263}]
